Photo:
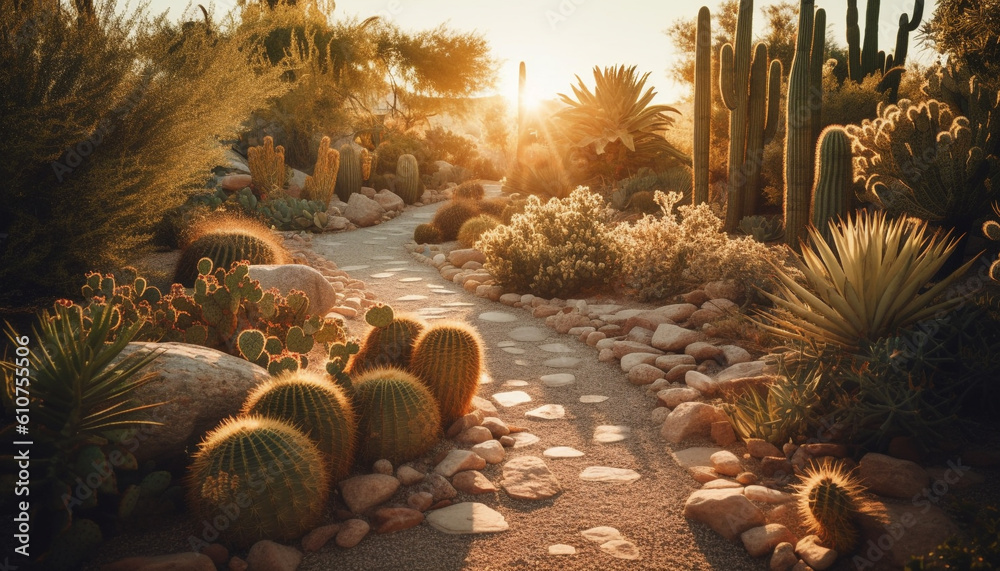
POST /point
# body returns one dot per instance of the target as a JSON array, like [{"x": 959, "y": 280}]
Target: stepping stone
[
  {"x": 522, "y": 439},
  {"x": 562, "y": 362},
  {"x": 621, "y": 549},
  {"x": 457, "y": 303},
  {"x": 555, "y": 348},
  {"x": 372, "y": 243},
  {"x": 602, "y": 534},
  {"x": 529, "y": 478},
  {"x": 410, "y": 280},
  {"x": 606, "y": 474},
  {"x": 497, "y": 317},
  {"x": 352, "y": 268},
  {"x": 467, "y": 517},
  {"x": 606, "y": 434},
  {"x": 697, "y": 456},
  {"x": 522, "y": 363},
  {"x": 558, "y": 379},
  {"x": 532, "y": 334},
  {"x": 562, "y": 452},
  {"x": 512, "y": 398},
  {"x": 547, "y": 412},
  {"x": 446, "y": 292},
  {"x": 503, "y": 344},
  {"x": 562, "y": 549},
  {"x": 382, "y": 275},
  {"x": 515, "y": 383},
  {"x": 413, "y": 297},
  {"x": 514, "y": 350},
  {"x": 384, "y": 258},
  {"x": 590, "y": 399}
]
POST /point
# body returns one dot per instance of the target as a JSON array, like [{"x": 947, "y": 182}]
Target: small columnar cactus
[
  {"x": 320, "y": 185},
  {"x": 830, "y": 503},
  {"x": 473, "y": 228},
  {"x": 320, "y": 408},
  {"x": 831, "y": 196},
  {"x": 267, "y": 168},
  {"x": 399, "y": 418},
  {"x": 261, "y": 477},
  {"x": 389, "y": 343},
  {"x": 349, "y": 174},
  {"x": 448, "y": 358},
  {"x": 408, "y": 179},
  {"x": 702, "y": 105},
  {"x": 427, "y": 234}
]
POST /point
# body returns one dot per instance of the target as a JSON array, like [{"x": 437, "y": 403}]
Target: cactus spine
[
  {"x": 834, "y": 163},
  {"x": 320, "y": 185},
  {"x": 830, "y": 502},
  {"x": 389, "y": 343},
  {"x": 349, "y": 174},
  {"x": 407, "y": 179},
  {"x": 267, "y": 463},
  {"x": 267, "y": 168},
  {"x": 319, "y": 407},
  {"x": 702, "y": 105},
  {"x": 448, "y": 359},
  {"x": 399, "y": 418},
  {"x": 798, "y": 136}
]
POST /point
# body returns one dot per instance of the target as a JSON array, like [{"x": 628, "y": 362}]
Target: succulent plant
[
  {"x": 73, "y": 545},
  {"x": 349, "y": 174},
  {"x": 267, "y": 168},
  {"x": 450, "y": 217},
  {"x": 494, "y": 206},
  {"x": 702, "y": 105},
  {"x": 319, "y": 407},
  {"x": 762, "y": 228},
  {"x": 320, "y": 185},
  {"x": 469, "y": 190},
  {"x": 991, "y": 229},
  {"x": 830, "y": 503},
  {"x": 224, "y": 248},
  {"x": 832, "y": 195},
  {"x": 290, "y": 213},
  {"x": 475, "y": 227},
  {"x": 264, "y": 478},
  {"x": 408, "y": 179},
  {"x": 448, "y": 358},
  {"x": 427, "y": 234},
  {"x": 389, "y": 343},
  {"x": 399, "y": 418},
  {"x": 338, "y": 364}
]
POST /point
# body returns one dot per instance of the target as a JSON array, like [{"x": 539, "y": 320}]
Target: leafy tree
[{"x": 969, "y": 30}]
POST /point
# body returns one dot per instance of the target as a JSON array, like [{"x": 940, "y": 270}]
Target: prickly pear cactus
[{"x": 389, "y": 343}]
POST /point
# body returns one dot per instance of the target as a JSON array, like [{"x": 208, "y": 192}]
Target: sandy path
[{"x": 647, "y": 512}]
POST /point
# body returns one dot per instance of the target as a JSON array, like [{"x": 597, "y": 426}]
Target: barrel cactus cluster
[{"x": 226, "y": 240}]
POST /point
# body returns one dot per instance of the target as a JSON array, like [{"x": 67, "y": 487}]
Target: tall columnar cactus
[
  {"x": 399, "y": 418},
  {"x": 866, "y": 59},
  {"x": 448, "y": 358},
  {"x": 349, "y": 174},
  {"x": 834, "y": 163},
  {"x": 225, "y": 247},
  {"x": 261, "y": 477},
  {"x": 320, "y": 185},
  {"x": 407, "y": 179},
  {"x": 389, "y": 343},
  {"x": 267, "y": 168},
  {"x": 752, "y": 98},
  {"x": 522, "y": 114},
  {"x": 319, "y": 407},
  {"x": 830, "y": 502},
  {"x": 816, "y": 63},
  {"x": 702, "y": 105},
  {"x": 798, "y": 136}
]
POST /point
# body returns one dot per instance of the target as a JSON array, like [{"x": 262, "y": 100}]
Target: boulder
[
  {"x": 200, "y": 386},
  {"x": 389, "y": 200},
  {"x": 363, "y": 211},
  {"x": 287, "y": 277},
  {"x": 892, "y": 477}
]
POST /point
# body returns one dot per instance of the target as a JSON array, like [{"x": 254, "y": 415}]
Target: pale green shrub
[
  {"x": 670, "y": 254},
  {"x": 557, "y": 248}
]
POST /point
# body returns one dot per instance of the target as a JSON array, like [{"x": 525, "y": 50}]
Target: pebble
[
  {"x": 409, "y": 475},
  {"x": 491, "y": 451},
  {"x": 317, "y": 538},
  {"x": 496, "y": 426}
]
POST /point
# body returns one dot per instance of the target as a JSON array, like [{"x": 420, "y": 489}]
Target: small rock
[
  {"x": 467, "y": 517},
  {"x": 594, "y": 337},
  {"x": 673, "y": 338},
  {"x": 727, "y": 512},
  {"x": 491, "y": 451},
  {"x": 691, "y": 420},
  {"x": 266, "y": 555},
  {"x": 702, "y": 351},
  {"x": 363, "y": 211},
  {"x": 673, "y": 397},
  {"x": 459, "y": 460},
  {"x": 733, "y": 355},
  {"x": 362, "y": 493},
  {"x": 741, "y": 371},
  {"x": 420, "y": 501},
  {"x": 726, "y": 463},
  {"x": 217, "y": 553},
  {"x": 608, "y": 474},
  {"x": 659, "y": 415},
  {"x": 389, "y": 520},
  {"x": 703, "y": 474},
  {"x": 695, "y": 297},
  {"x": 759, "y": 448},
  {"x": 720, "y": 484},
  {"x": 723, "y": 433},
  {"x": 759, "y": 541},
  {"x": 473, "y": 482},
  {"x": 352, "y": 532},
  {"x": 474, "y": 435},
  {"x": 677, "y": 312},
  {"x": 701, "y": 382},
  {"x": 317, "y": 538},
  {"x": 814, "y": 554},
  {"x": 747, "y": 479},
  {"x": 237, "y": 564},
  {"x": 459, "y": 257},
  {"x": 767, "y": 495},
  {"x": 507, "y": 441},
  {"x": 676, "y": 374},
  {"x": 601, "y": 534},
  {"x": 892, "y": 477},
  {"x": 438, "y": 486},
  {"x": 382, "y": 466},
  {"x": 496, "y": 426},
  {"x": 621, "y": 549},
  {"x": 776, "y": 467},
  {"x": 529, "y": 478},
  {"x": 562, "y": 549},
  {"x": 408, "y": 475},
  {"x": 633, "y": 359},
  {"x": 784, "y": 557},
  {"x": 643, "y": 374},
  {"x": 667, "y": 362},
  {"x": 474, "y": 418}
]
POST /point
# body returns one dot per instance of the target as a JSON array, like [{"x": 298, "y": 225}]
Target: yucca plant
[{"x": 871, "y": 283}]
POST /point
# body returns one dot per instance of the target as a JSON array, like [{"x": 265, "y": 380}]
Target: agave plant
[
  {"x": 874, "y": 285},
  {"x": 619, "y": 114}
]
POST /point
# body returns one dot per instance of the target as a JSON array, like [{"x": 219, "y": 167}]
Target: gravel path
[{"x": 647, "y": 512}]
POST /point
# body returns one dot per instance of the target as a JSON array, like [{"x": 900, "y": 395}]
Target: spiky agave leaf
[{"x": 872, "y": 286}]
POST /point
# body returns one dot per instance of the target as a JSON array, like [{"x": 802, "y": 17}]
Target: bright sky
[{"x": 558, "y": 39}]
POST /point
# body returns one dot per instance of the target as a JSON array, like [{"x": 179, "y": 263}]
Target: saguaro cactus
[
  {"x": 765, "y": 94},
  {"x": 702, "y": 105},
  {"x": 866, "y": 59},
  {"x": 798, "y": 136}
]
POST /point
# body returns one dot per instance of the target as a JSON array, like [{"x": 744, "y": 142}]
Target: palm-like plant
[
  {"x": 875, "y": 285},
  {"x": 619, "y": 114}
]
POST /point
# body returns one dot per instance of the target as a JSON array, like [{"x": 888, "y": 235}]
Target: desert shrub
[
  {"x": 450, "y": 217},
  {"x": 446, "y": 145},
  {"x": 677, "y": 179},
  {"x": 560, "y": 247},
  {"x": 668, "y": 254},
  {"x": 108, "y": 122}
]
